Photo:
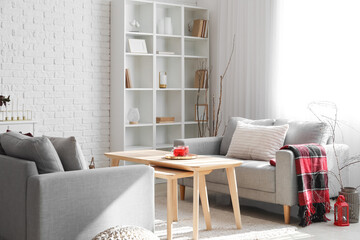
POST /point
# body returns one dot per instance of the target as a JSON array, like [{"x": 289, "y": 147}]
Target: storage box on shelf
[{"x": 171, "y": 49}]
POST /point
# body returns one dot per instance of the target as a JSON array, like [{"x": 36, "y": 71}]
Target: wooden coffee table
[{"x": 199, "y": 167}]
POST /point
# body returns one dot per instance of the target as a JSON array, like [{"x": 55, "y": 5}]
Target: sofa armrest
[
  {"x": 14, "y": 174},
  {"x": 80, "y": 204},
  {"x": 286, "y": 184},
  {"x": 204, "y": 145}
]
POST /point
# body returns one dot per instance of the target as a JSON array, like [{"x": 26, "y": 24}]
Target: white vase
[
  {"x": 168, "y": 26},
  {"x": 134, "y": 116},
  {"x": 161, "y": 26}
]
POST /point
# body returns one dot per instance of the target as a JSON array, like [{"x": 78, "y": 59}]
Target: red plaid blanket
[{"x": 312, "y": 180}]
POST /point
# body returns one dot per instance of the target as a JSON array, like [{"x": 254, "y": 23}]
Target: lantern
[{"x": 341, "y": 212}]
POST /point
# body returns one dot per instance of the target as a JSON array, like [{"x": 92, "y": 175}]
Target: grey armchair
[{"x": 72, "y": 205}]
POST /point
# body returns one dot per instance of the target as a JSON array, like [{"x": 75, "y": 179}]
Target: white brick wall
[{"x": 55, "y": 56}]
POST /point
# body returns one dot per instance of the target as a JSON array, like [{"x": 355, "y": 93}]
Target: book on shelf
[
  {"x": 200, "y": 28},
  {"x": 165, "y": 119},
  {"x": 201, "y": 79},
  {"x": 127, "y": 78}
]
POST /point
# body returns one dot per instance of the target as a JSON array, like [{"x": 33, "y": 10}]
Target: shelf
[
  {"x": 139, "y": 54},
  {"x": 139, "y": 125},
  {"x": 191, "y": 38},
  {"x": 138, "y": 89},
  {"x": 17, "y": 122},
  {"x": 168, "y": 36},
  {"x": 195, "y": 89},
  {"x": 171, "y": 49},
  {"x": 168, "y": 89},
  {"x": 168, "y": 124},
  {"x": 139, "y": 137},
  {"x": 173, "y": 71},
  {"x": 142, "y": 12},
  {"x": 139, "y": 79},
  {"x": 139, "y": 33},
  {"x": 190, "y": 56},
  {"x": 169, "y": 55}
]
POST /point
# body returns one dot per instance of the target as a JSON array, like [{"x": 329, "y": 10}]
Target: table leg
[
  {"x": 204, "y": 201},
  {"x": 196, "y": 206},
  {"x": 230, "y": 172},
  {"x": 169, "y": 209},
  {"x": 175, "y": 200},
  {"x": 114, "y": 162}
]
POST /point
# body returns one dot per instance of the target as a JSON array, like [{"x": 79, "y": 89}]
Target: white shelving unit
[{"x": 179, "y": 98}]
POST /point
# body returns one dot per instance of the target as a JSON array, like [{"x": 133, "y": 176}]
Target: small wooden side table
[{"x": 172, "y": 175}]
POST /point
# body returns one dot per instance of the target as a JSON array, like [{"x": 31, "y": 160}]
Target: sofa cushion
[
  {"x": 252, "y": 174},
  {"x": 231, "y": 126},
  {"x": 305, "y": 132},
  {"x": 256, "y": 142},
  {"x": 69, "y": 152},
  {"x": 37, "y": 149}
]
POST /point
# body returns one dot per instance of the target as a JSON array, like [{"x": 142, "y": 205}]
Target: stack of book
[{"x": 200, "y": 28}]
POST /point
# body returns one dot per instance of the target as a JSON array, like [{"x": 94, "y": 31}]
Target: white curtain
[
  {"x": 290, "y": 53},
  {"x": 247, "y": 88}
]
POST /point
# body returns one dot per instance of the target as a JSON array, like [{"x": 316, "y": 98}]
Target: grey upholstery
[
  {"x": 2, "y": 151},
  {"x": 13, "y": 186},
  {"x": 37, "y": 149},
  {"x": 70, "y": 153},
  {"x": 206, "y": 145},
  {"x": 257, "y": 180},
  {"x": 72, "y": 205},
  {"x": 252, "y": 174},
  {"x": 231, "y": 126},
  {"x": 305, "y": 132}
]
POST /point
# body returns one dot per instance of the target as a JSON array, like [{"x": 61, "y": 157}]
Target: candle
[
  {"x": 12, "y": 109},
  {"x": 23, "y": 111},
  {"x": 17, "y": 110}
]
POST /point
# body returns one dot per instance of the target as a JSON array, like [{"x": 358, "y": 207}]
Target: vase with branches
[
  {"x": 330, "y": 117},
  {"x": 204, "y": 127}
]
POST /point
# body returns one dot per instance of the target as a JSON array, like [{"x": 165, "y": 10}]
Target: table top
[{"x": 156, "y": 158}]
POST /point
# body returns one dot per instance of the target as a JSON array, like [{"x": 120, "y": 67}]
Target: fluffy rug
[{"x": 256, "y": 224}]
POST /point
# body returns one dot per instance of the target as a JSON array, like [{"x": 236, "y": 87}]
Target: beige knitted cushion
[
  {"x": 256, "y": 142},
  {"x": 126, "y": 233}
]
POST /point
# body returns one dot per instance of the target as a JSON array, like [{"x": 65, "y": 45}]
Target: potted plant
[{"x": 330, "y": 117}]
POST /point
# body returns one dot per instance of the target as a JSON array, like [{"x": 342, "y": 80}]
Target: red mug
[{"x": 181, "y": 151}]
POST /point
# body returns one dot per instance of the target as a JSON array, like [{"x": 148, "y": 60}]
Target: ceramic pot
[{"x": 352, "y": 198}]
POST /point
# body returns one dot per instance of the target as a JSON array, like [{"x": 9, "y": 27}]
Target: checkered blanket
[{"x": 312, "y": 180}]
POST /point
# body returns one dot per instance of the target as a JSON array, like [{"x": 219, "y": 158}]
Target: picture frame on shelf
[
  {"x": 137, "y": 46},
  {"x": 201, "y": 112}
]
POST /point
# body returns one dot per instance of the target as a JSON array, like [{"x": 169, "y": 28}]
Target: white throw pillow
[{"x": 256, "y": 142}]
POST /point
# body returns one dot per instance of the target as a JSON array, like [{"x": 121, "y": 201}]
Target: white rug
[{"x": 256, "y": 224}]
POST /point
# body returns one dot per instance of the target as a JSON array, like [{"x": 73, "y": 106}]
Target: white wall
[{"x": 55, "y": 58}]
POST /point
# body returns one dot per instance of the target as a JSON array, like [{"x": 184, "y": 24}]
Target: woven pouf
[{"x": 126, "y": 233}]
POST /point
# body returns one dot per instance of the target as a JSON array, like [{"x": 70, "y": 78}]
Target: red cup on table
[{"x": 181, "y": 151}]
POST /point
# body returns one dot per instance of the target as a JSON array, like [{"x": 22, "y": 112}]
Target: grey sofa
[
  {"x": 74, "y": 205},
  {"x": 258, "y": 180}
]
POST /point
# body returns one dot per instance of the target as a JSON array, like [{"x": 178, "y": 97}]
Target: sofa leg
[
  {"x": 287, "y": 214},
  {"x": 182, "y": 192}
]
